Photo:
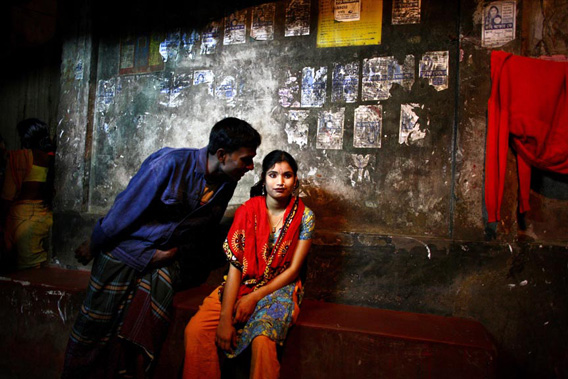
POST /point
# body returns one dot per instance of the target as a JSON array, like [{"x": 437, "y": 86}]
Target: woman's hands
[
  {"x": 226, "y": 337},
  {"x": 244, "y": 308}
]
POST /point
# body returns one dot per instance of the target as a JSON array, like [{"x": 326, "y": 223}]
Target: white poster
[
  {"x": 314, "y": 86},
  {"x": 499, "y": 20},
  {"x": 347, "y": 10},
  {"x": 434, "y": 66},
  {"x": 235, "y": 28},
  {"x": 379, "y": 74},
  {"x": 409, "y": 126},
  {"x": 330, "y": 130},
  {"x": 297, "y": 127},
  {"x": 368, "y": 126},
  {"x": 345, "y": 82},
  {"x": 210, "y": 38}
]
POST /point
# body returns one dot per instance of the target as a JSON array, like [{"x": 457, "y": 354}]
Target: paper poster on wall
[
  {"x": 345, "y": 82},
  {"x": 210, "y": 38},
  {"x": 297, "y": 18},
  {"x": 379, "y": 74},
  {"x": 262, "y": 23},
  {"x": 434, "y": 66},
  {"x": 499, "y": 19},
  {"x": 172, "y": 87},
  {"x": 314, "y": 86},
  {"x": 204, "y": 77},
  {"x": 405, "y": 12},
  {"x": 409, "y": 126},
  {"x": 227, "y": 90},
  {"x": 169, "y": 48},
  {"x": 366, "y": 31},
  {"x": 368, "y": 126},
  {"x": 235, "y": 28},
  {"x": 330, "y": 129},
  {"x": 347, "y": 10},
  {"x": 188, "y": 44},
  {"x": 140, "y": 53},
  {"x": 297, "y": 127},
  {"x": 289, "y": 93}
]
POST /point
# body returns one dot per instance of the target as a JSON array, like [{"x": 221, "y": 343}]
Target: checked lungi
[{"x": 125, "y": 314}]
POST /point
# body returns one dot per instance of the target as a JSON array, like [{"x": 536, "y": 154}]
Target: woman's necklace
[{"x": 278, "y": 223}]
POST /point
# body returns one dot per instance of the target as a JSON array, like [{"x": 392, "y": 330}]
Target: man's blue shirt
[{"x": 160, "y": 208}]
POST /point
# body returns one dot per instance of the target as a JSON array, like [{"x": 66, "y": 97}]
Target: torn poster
[
  {"x": 434, "y": 66},
  {"x": 235, "y": 28},
  {"x": 368, "y": 126},
  {"x": 297, "y": 127},
  {"x": 330, "y": 130},
  {"x": 210, "y": 38},
  {"x": 204, "y": 77},
  {"x": 409, "y": 125},
  {"x": 347, "y": 10},
  {"x": 359, "y": 171},
  {"x": 314, "y": 86},
  {"x": 366, "y": 31},
  {"x": 262, "y": 24},
  {"x": 297, "y": 18},
  {"x": 189, "y": 42},
  {"x": 345, "y": 82},
  {"x": 405, "y": 12},
  {"x": 499, "y": 19},
  {"x": 227, "y": 90},
  {"x": 379, "y": 74},
  {"x": 289, "y": 94},
  {"x": 169, "y": 48},
  {"x": 172, "y": 88}
]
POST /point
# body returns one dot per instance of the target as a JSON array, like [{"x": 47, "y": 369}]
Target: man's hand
[
  {"x": 226, "y": 337},
  {"x": 161, "y": 256},
  {"x": 244, "y": 308},
  {"x": 83, "y": 252}
]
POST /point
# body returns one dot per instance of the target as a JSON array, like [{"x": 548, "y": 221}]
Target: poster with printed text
[
  {"x": 314, "y": 86},
  {"x": 262, "y": 23},
  {"x": 499, "y": 19},
  {"x": 434, "y": 66},
  {"x": 365, "y": 31},
  {"x": 330, "y": 130},
  {"x": 379, "y": 74},
  {"x": 297, "y": 18},
  {"x": 368, "y": 126},
  {"x": 235, "y": 28},
  {"x": 297, "y": 127},
  {"x": 347, "y": 10},
  {"x": 289, "y": 93},
  {"x": 345, "y": 82},
  {"x": 205, "y": 78},
  {"x": 140, "y": 53},
  {"x": 405, "y": 12},
  {"x": 210, "y": 38}
]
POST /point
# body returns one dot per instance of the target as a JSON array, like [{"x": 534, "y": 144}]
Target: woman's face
[{"x": 280, "y": 181}]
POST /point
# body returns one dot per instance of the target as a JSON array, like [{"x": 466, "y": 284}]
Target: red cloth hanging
[{"x": 529, "y": 107}]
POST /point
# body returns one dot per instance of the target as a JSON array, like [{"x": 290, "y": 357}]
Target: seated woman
[
  {"x": 27, "y": 194},
  {"x": 267, "y": 245}
]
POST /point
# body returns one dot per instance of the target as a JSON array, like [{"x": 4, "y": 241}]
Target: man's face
[{"x": 238, "y": 163}]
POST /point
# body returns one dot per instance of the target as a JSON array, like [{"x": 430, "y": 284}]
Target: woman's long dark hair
[
  {"x": 34, "y": 134},
  {"x": 275, "y": 156}
]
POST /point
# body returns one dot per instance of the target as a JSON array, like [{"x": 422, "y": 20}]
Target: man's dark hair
[
  {"x": 34, "y": 134},
  {"x": 231, "y": 134}
]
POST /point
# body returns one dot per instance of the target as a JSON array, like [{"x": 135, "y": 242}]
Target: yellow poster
[{"x": 366, "y": 31}]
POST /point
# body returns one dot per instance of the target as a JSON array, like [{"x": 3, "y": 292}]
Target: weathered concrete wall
[{"x": 401, "y": 226}]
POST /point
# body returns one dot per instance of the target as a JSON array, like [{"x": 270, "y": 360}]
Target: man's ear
[{"x": 221, "y": 155}]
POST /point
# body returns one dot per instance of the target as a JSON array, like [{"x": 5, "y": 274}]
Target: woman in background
[
  {"x": 27, "y": 195},
  {"x": 266, "y": 247}
]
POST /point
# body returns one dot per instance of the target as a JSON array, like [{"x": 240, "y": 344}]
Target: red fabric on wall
[{"x": 528, "y": 106}]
